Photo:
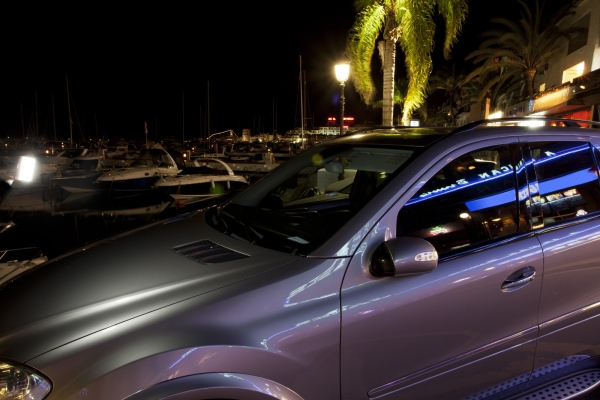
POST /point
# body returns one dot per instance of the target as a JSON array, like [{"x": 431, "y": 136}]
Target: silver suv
[{"x": 408, "y": 263}]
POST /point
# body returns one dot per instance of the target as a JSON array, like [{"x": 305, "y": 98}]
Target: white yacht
[
  {"x": 201, "y": 181},
  {"x": 153, "y": 164}
]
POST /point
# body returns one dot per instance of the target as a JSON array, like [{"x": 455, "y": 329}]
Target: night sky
[{"x": 129, "y": 65}]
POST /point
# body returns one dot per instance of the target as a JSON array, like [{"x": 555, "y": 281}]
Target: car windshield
[{"x": 298, "y": 206}]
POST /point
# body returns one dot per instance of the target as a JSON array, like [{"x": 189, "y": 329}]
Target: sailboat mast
[
  {"x": 53, "y": 117},
  {"x": 207, "y": 109},
  {"x": 306, "y": 118},
  {"x": 69, "y": 107},
  {"x": 37, "y": 121},
  {"x": 22, "y": 120},
  {"x": 301, "y": 109}
]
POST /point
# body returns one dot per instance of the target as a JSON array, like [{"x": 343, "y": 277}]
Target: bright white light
[
  {"x": 342, "y": 71},
  {"x": 495, "y": 115},
  {"x": 464, "y": 215},
  {"x": 25, "y": 169},
  {"x": 531, "y": 123},
  {"x": 414, "y": 122}
]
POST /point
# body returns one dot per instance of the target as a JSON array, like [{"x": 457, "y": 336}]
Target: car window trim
[{"x": 496, "y": 242}]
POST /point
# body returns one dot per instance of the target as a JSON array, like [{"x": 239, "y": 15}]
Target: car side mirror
[{"x": 402, "y": 257}]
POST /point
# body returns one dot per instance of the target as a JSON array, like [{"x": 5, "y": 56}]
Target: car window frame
[{"x": 450, "y": 152}]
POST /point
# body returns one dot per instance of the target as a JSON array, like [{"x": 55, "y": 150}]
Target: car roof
[
  {"x": 426, "y": 136},
  {"x": 404, "y": 136}
]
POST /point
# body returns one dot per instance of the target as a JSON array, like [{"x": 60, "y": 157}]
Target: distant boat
[
  {"x": 80, "y": 177},
  {"x": 260, "y": 164},
  {"x": 120, "y": 156},
  {"x": 153, "y": 164},
  {"x": 200, "y": 181}
]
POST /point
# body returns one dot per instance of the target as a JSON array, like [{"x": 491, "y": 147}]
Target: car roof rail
[{"x": 571, "y": 123}]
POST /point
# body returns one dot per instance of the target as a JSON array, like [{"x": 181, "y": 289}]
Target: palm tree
[
  {"x": 517, "y": 50},
  {"x": 410, "y": 24},
  {"x": 400, "y": 90},
  {"x": 451, "y": 82}
]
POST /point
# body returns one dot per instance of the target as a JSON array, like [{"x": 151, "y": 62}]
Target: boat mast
[
  {"x": 37, "y": 121},
  {"x": 301, "y": 109},
  {"x": 22, "y": 120},
  {"x": 53, "y": 117},
  {"x": 207, "y": 108},
  {"x": 69, "y": 107}
]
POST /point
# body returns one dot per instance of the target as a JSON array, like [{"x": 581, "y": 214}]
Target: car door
[
  {"x": 566, "y": 212},
  {"x": 468, "y": 328}
]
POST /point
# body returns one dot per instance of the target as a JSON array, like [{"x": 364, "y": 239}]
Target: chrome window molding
[
  {"x": 572, "y": 222},
  {"x": 488, "y": 245}
]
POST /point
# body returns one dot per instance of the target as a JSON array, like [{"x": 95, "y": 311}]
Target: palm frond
[
  {"x": 360, "y": 47},
  {"x": 416, "y": 41},
  {"x": 455, "y": 13}
]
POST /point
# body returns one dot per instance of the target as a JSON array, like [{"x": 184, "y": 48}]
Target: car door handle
[{"x": 522, "y": 278}]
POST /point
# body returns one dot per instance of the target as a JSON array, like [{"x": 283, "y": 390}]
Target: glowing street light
[{"x": 342, "y": 71}]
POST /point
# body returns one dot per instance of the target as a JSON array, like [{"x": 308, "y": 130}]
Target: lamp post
[{"x": 341, "y": 73}]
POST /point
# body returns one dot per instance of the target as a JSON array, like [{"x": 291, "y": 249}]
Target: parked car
[{"x": 459, "y": 264}]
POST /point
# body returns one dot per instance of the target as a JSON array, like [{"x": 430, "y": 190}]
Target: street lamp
[{"x": 341, "y": 73}]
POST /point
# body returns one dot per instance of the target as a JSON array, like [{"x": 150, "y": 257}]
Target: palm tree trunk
[
  {"x": 389, "y": 65},
  {"x": 529, "y": 75}
]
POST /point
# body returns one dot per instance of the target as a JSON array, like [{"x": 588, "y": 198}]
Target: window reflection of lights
[
  {"x": 496, "y": 220},
  {"x": 464, "y": 215},
  {"x": 570, "y": 192},
  {"x": 471, "y": 167},
  {"x": 438, "y": 230},
  {"x": 455, "y": 187},
  {"x": 579, "y": 213},
  {"x": 562, "y": 153},
  {"x": 490, "y": 268}
]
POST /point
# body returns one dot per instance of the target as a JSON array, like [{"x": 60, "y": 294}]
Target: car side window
[
  {"x": 470, "y": 201},
  {"x": 567, "y": 176}
]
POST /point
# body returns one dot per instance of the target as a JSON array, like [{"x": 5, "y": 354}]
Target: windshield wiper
[{"x": 252, "y": 236}]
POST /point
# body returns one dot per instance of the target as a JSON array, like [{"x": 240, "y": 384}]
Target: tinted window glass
[
  {"x": 470, "y": 201},
  {"x": 567, "y": 180}
]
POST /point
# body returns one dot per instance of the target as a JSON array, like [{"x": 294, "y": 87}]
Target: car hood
[{"x": 99, "y": 286}]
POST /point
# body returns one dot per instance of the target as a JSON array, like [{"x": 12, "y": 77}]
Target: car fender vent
[{"x": 207, "y": 252}]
